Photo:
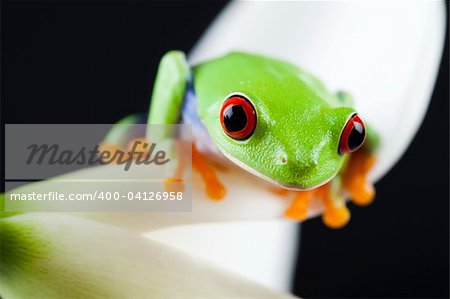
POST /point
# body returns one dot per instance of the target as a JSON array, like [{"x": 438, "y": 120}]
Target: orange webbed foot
[{"x": 335, "y": 214}]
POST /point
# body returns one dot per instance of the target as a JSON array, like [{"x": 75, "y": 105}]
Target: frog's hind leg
[{"x": 214, "y": 188}]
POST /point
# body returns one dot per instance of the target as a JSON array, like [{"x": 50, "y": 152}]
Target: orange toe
[
  {"x": 215, "y": 191},
  {"x": 213, "y": 187},
  {"x": 296, "y": 213},
  {"x": 298, "y": 210},
  {"x": 173, "y": 185},
  {"x": 140, "y": 145},
  {"x": 111, "y": 149},
  {"x": 336, "y": 217},
  {"x": 361, "y": 192}
]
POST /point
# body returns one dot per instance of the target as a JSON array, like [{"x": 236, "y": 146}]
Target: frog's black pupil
[
  {"x": 356, "y": 137},
  {"x": 235, "y": 118}
]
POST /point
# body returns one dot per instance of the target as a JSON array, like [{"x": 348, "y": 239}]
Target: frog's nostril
[{"x": 282, "y": 159}]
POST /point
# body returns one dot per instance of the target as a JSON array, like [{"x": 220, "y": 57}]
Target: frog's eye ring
[
  {"x": 238, "y": 117},
  {"x": 353, "y": 135}
]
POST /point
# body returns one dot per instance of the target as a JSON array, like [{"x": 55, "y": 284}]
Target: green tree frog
[{"x": 273, "y": 120}]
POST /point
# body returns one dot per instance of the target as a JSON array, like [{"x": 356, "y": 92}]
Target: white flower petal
[
  {"x": 51, "y": 255},
  {"x": 247, "y": 198}
]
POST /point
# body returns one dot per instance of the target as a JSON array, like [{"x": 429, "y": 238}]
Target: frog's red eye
[
  {"x": 353, "y": 135},
  {"x": 238, "y": 117}
]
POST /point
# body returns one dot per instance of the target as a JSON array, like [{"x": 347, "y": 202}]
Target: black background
[{"x": 95, "y": 62}]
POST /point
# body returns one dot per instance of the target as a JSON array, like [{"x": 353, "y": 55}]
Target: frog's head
[{"x": 275, "y": 121}]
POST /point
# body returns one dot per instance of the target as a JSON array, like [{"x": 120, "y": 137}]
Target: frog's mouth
[{"x": 270, "y": 180}]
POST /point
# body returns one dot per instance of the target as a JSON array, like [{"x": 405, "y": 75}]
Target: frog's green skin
[{"x": 299, "y": 122}]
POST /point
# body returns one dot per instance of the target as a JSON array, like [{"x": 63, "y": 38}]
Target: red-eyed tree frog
[{"x": 273, "y": 120}]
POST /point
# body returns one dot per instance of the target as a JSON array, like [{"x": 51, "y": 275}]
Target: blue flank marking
[{"x": 190, "y": 116}]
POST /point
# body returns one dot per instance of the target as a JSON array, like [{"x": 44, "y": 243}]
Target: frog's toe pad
[
  {"x": 297, "y": 214},
  {"x": 215, "y": 191},
  {"x": 361, "y": 192},
  {"x": 297, "y": 211},
  {"x": 336, "y": 217}
]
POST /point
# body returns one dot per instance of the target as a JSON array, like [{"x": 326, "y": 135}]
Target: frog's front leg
[
  {"x": 355, "y": 181},
  {"x": 335, "y": 213},
  {"x": 355, "y": 178},
  {"x": 214, "y": 188},
  {"x": 352, "y": 181},
  {"x": 355, "y": 175}
]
